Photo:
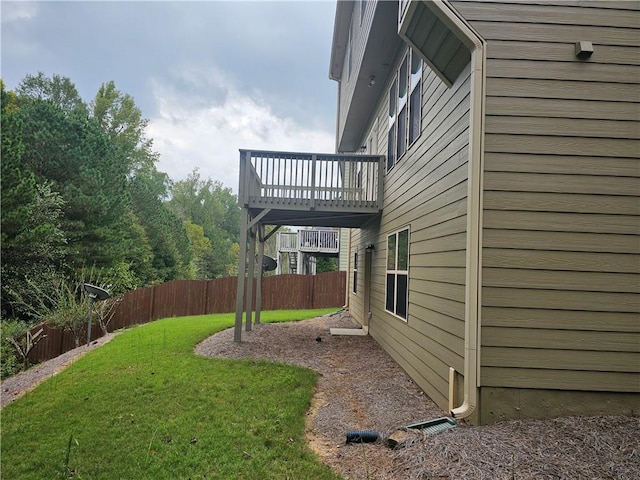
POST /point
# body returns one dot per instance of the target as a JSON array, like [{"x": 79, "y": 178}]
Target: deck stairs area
[{"x": 304, "y": 246}]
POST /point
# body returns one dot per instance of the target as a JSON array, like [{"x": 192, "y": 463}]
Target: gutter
[{"x": 473, "y": 280}]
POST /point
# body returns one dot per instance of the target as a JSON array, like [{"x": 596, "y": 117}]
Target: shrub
[
  {"x": 10, "y": 363},
  {"x": 70, "y": 311}
]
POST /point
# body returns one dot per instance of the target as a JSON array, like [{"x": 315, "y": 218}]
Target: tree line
[{"x": 83, "y": 201}]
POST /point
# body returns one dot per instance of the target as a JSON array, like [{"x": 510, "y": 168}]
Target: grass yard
[{"x": 144, "y": 406}]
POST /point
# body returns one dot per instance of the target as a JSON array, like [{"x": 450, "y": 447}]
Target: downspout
[{"x": 474, "y": 221}]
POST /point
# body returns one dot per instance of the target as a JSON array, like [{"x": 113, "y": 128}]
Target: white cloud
[
  {"x": 14, "y": 11},
  {"x": 17, "y": 21},
  {"x": 191, "y": 130}
]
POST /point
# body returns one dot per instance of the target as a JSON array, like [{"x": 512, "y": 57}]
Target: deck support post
[
  {"x": 242, "y": 268},
  {"x": 261, "y": 241},
  {"x": 251, "y": 262}
]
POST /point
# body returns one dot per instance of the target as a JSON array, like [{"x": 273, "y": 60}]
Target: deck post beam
[
  {"x": 261, "y": 240},
  {"x": 251, "y": 262},
  {"x": 242, "y": 268},
  {"x": 259, "y": 217}
]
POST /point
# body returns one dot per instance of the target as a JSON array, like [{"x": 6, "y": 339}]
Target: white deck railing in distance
[
  {"x": 321, "y": 241},
  {"x": 287, "y": 242}
]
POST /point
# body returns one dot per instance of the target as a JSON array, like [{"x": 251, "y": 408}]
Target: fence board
[
  {"x": 286, "y": 292},
  {"x": 329, "y": 290},
  {"x": 221, "y": 295},
  {"x": 198, "y": 297},
  {"x": 136, "y": 308}
]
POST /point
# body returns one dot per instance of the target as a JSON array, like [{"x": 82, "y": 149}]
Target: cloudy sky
[{"x": 211, "y": 77}]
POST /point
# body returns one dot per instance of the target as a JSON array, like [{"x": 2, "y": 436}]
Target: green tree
[
  {"x": 208, "y": 204},
  {"x": 203, "y": 256},
  {"x": 71, "y": 152},
  {"x": 60, "y": 91},
  {"x": 166, "y": 233},
  {"x": 119, "y": 117},
  {"x": 31, "y": 240},
  {"x": 326, "y": 264}
]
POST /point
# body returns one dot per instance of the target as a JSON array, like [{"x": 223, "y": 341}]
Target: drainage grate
[{"x": 437, "y": 425}]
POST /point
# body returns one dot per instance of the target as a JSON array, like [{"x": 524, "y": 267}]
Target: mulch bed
[{"x": 362, "y": 388}]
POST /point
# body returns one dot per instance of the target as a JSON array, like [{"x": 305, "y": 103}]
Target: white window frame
[
  {"x": 391, "y": 131},
  {"x": 393, "y": 270},
  {"x": 415, "y": 86},
  {"x": 403, "y": 107},
  {"x": 399, "y": 142}
]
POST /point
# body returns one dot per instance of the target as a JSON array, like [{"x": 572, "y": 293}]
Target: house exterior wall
[
  {"x": 561, "y": 263},
  {"x": 426, "y": 191},
  {"x": 560, "y": 311},
  {"x": 343, "y": 259}
]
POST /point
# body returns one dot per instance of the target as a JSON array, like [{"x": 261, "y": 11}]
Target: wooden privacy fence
[{"x": 199, "y": 297}]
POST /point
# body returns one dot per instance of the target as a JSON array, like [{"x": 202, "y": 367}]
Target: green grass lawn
[{"x": 144, "y": 406}]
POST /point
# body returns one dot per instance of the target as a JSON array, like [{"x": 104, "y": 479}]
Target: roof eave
[{"x": 344, "y": 10}]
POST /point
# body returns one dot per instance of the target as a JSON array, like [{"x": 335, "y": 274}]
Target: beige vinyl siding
[
  {"x": 427, "y": 191},
  {"x": 356, "y": 304},
  {"x": 343, "y": 259},
  {"x": 561, "y": 244}
]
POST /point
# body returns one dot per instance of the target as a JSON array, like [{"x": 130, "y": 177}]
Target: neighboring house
[
  {"x": 495, "y": 213},
  {"x": 503, "y": 273}
]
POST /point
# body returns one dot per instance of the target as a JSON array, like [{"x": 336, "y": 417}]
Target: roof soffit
[
  {"x": 382, "y": 47},
  {"x": 342, "y": 23},
  {"x": 435, "y": 39}
]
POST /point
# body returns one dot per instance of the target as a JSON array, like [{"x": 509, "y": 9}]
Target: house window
[
  {"x": 391, "y": 140},
  {"x": 405, "y": 101},
  {"x": 415, "y": 98},
  {"x": 355, "y": 272},
  {"x": 397, "y": 291},
  {"x": 401, "y": 135}
]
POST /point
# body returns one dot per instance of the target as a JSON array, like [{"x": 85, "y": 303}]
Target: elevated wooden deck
[
  {"x": 311, "y": 189},
  {"x": 298, "y": 189}
]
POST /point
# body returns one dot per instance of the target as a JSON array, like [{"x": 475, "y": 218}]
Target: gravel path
[
  {"x": 16, "y": 386},
  {"x": 360, "y": 387}
]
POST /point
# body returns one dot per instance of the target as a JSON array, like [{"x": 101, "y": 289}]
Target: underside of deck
[{"x": 313, "y": 218}]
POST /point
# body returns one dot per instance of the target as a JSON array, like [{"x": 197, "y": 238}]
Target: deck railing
[
  {"x": 309, "y": 241},
  {"x": 321, "y": 241},
  {"x": 287, "y": 242},
  {"x": 310, "y": 180}
]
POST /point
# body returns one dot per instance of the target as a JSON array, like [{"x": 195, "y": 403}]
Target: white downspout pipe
[
  {"x": 474, "y": 238},
  {"x": 474, "y": 214}
]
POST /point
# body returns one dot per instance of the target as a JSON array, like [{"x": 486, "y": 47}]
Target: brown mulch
[{"x": 360, "y": 387}]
